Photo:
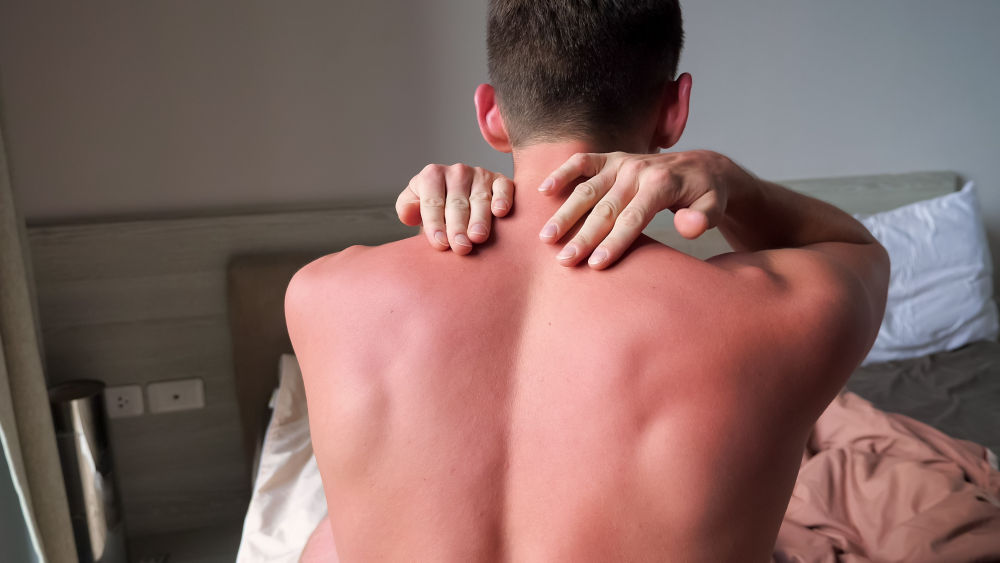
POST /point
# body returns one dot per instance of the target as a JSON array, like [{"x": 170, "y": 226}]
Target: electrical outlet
[
  {"x": 120, "y": 402},
  {"x": 178, "y": 395}
]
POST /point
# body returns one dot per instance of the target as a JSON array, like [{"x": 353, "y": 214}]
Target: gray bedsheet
[{"x": 956, "y": 392}]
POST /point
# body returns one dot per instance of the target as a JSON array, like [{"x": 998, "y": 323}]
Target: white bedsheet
[{"x": 287, "y": 502}]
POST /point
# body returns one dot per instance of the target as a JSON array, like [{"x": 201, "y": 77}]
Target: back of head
[{"x": 581, "y": 69}]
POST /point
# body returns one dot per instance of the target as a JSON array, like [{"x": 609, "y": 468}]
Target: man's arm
[
  {"x": 762, "y": 215},
  {"x": 828, "y": 275},
  {"x": 764, "y": 218}
]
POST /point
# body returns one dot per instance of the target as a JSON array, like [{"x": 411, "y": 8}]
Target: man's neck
[
  {"x": 532, "y": 165},
  {"x": 532, "y": 209}
]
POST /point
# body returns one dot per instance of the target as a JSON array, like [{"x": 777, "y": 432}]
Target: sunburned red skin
[{"x": 501, "y": 407}]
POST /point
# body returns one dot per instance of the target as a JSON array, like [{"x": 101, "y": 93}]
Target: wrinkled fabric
[
  {"x": 957, "y": 392},
  {"x": 876, "y": 486},
  {"x": 287, "y": 501}
]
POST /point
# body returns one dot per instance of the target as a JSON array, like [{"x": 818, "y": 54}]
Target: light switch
[{"x": 178, "y": 395}]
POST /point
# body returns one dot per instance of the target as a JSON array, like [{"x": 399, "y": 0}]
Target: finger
[
  {"x": 691, "y": 222},
  {"x": 503, "y": 196},
  {"x": 480, "y": 216},
  {"x": 408, "y": 206},
  {"x": 584, "y": 197},
  {"x": 632, "y": 220},
  {"x": 430, "y": 186},
  {"x": 601, "y": 220},
  {"x": 580, "y": 164},
  {"x": 457, "y": 208}
]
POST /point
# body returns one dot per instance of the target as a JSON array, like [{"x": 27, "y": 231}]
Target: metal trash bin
[{"x": 81, "y": 434}]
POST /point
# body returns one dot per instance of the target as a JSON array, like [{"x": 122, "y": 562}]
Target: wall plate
[
  {"x": 123, "y": 401},
  {"x": 177, "y": 395}
]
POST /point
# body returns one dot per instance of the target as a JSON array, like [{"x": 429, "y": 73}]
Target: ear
[
  {"x": 491, "y": 123},
  {"x": 673, "y": 113}
]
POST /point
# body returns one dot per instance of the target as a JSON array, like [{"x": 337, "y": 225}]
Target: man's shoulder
[
  {"x": 341, "y": 278},
  {"x": 321, "y": 272},
  {"x": 352, "y": 261}
]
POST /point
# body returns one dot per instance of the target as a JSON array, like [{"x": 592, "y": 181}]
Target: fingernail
[
  {"x": 478, "y": 230},
  {"x": 549, "y": 231},
  {"x": 441, "y": 238},
  {"x": 500, "y": 205},
  {"x": 567, "y": 253},
  {"x": 462, "y": 240},
  {"x": 599, "y": 256},
  {"x": 546, "y": 185}
]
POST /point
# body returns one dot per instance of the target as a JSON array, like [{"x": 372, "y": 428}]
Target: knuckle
[
  {"x": 458, "y": 203},
  {"x": 432, "y": 202},
  {"x": 480, "y": 197},
  {"x": 460, "y": 173},
  {"x": 604, "y": 210},
  {"x": 432, "y": 170},
  {"x": 578, "y": 160},
  {"x": 659, "y": 175},
  {"x": 632, "y": 217},
  {"x": 634, "y": 166},
  {"x": 585, "y": 190}
]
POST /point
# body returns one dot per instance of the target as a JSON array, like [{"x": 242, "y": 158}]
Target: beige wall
[{"x": 118, "y": 107}]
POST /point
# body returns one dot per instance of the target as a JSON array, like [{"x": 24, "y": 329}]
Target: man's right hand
[
  {"x": 454, "y": 204},
  {"x": 623, "y": 192}
]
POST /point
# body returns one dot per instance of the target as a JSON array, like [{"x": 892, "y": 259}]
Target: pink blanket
[{"x": 875, "y": 486}]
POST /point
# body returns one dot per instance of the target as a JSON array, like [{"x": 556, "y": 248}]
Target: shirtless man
[{"x": 497, "y": 407}]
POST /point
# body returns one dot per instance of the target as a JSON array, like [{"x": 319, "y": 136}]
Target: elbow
[{"x": 881, "y": 272}]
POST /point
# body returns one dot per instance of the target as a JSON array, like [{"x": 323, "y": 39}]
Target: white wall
[
  {"x": 802, "y": 89},
  {"x": 116, "y": 107}
]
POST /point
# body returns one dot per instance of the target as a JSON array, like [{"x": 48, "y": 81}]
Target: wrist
[{"x": 743, "y": 190}]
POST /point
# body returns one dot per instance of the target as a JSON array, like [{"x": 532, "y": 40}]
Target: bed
[{"x": 954, "y": 388}]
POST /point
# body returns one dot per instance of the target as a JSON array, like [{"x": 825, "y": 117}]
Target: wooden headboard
[
  {"x": 133, "y": 302},
  {"x": 256, "y": 287}
]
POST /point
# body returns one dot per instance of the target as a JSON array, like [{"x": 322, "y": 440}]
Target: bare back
[{"x": 498, "y": 407}]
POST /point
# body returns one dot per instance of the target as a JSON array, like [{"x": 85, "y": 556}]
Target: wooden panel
[
  {"x": 174, "y": 246},
  {"x": 854, "y": 194},
  {"x": 874, "y": 194},
  {"x": 134, "y": 299},
  {"x": 134, "y": 302}
]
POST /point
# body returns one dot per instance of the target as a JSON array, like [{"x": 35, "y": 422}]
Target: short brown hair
[{"x": 581, "y": 69}]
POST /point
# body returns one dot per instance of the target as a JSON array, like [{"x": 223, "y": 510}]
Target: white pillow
[
  {"x": 941, "y": 285},
  {"x": 287, "y": 502}
]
